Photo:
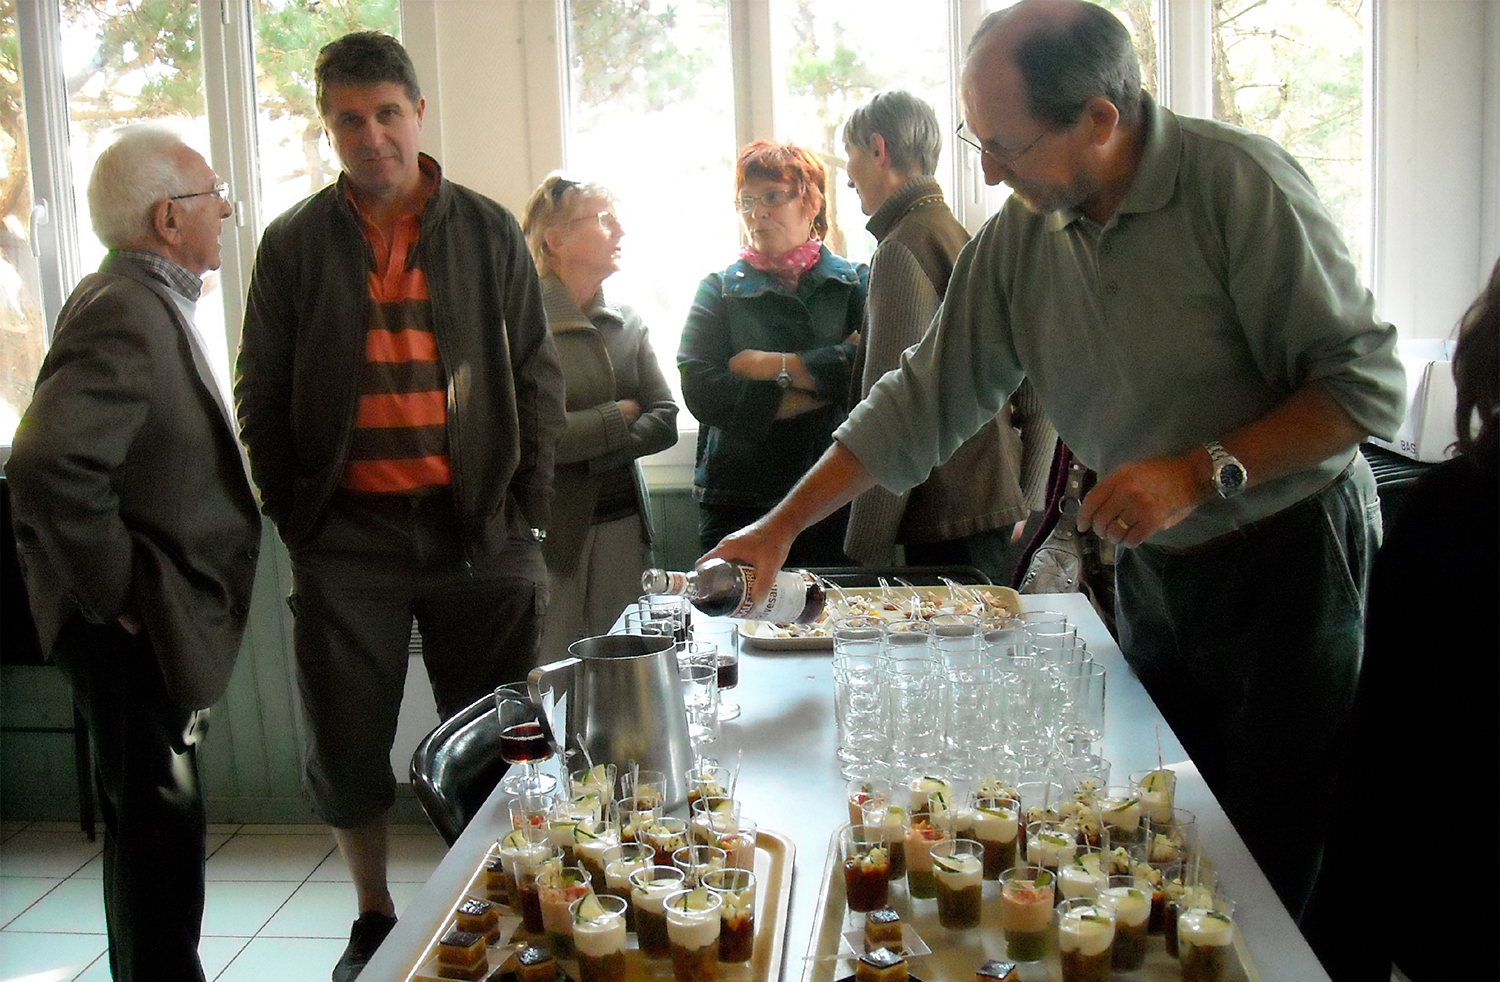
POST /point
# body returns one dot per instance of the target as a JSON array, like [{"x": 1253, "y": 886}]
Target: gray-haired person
[
  {"x": 968, "y": 511},
  {"x": 137, "y": 533}
]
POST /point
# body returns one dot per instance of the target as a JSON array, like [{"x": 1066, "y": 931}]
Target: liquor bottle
[{"x": 722, "y": 588}]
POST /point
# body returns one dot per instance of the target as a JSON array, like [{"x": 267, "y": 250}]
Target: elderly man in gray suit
[{"x": 137, "y": 532}]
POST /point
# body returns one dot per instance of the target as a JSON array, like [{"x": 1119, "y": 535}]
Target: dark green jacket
[{"x": 746, "y": 456}]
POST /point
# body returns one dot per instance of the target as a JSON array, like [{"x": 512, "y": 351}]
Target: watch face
[{"x": 1231, "y": 477}]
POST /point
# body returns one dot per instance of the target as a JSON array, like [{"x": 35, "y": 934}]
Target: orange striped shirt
[{"x": 400, "y": 440}]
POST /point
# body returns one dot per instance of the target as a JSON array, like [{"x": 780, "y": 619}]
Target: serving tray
[
  {"x": 774, "y": 854},
  {"x": 888, "y": 603},
  {"x": 954, "y": 954}
]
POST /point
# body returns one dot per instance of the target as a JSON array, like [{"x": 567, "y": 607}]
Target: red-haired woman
[{"x": 767, "y": 351}]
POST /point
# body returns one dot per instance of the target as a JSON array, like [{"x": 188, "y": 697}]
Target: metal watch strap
[{"x": 1223, "y": 463}]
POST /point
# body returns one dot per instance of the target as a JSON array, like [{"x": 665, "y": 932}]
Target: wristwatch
[
  {"x": 1229, "y": 475},
  {"x": 784, "y": 377}
]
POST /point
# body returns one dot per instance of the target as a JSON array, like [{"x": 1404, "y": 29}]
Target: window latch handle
[{"x": 39, "y": 217}]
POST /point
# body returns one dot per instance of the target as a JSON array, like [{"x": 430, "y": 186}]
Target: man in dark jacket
[
  {"x": 400, "y": 402},
  {"x": 137, "y": 534}
]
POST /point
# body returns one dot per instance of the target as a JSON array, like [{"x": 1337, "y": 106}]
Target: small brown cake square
[
  {"x": 880, "y": 965},
  {"x": 461, "y": 955},
  {"x": 479, "y": 916},
  {"x": 883, "y": 929},
  {"x": 535, "y": 964},
  {"x": 494, "y": 881},
  {"x": 995, "y": 970}
]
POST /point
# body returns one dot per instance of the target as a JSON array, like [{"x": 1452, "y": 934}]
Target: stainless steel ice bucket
[{"x": 619, "y": 697}]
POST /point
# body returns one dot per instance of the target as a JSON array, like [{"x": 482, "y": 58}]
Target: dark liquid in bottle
[{"x": 523, "y": 743}]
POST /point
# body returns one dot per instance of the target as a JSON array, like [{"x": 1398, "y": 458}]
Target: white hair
[{"x": 131, "y": 177}]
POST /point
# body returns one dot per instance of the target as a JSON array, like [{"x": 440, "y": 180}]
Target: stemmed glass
[{"x": 523, "y": 740}]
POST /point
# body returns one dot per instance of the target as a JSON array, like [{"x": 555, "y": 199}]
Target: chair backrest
[{"x": 456, "y": 766}]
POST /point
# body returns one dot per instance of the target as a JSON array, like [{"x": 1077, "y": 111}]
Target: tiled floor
[{"x": 279, "y": 901}]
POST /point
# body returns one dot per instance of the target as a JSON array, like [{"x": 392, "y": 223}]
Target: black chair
[
  {"x": 19, "y": 646},
  {"x": 457, "y": 765},
  {"x": 869, "y": 576}
]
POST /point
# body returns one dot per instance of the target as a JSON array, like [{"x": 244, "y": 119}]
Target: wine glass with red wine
[{"x": 525, "y": 740}]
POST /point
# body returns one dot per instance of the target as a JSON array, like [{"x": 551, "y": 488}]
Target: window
[
  {"x": 1293, "y": 70},
  {"x": 72, "y": 73},
  {"x": 829, "y": 57},
  {"x": 295, "y": 160},
  {"x": 651, "y": 108}
]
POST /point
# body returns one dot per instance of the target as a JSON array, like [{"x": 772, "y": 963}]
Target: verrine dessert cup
[
  {"x": 736, "y": 889},
  {"x": 1050, "y": 844},
  {"x": 531, "y": 863},
  {"x": 693, "y": 923},
  {"x": 635, "y": 813},
  {"x": 666, "y": 835},
  {"x": 649, "y": 889},
  {"x": 892, "y": 821},
  {"x": 619, "y": 862},
  {"x": 1084, "y": 875},
  {"x": 711, "y": 817},
  {"x": 1026, "y": 896},
  {"x": 1121, "y": 813},
  {"x": 558, "y": 888},
  {"x": 697, "y": 861},
  {"x": 920, "y": 838},
  {"x": 739, "y": 845},
  {"x": 1205, "y": 942},
  {"x": 597, "y": 781},
  {"x": 958, "y": 867},
  {"x": 1157, "y": 790},
  {"x": 867, "y": 868},
  {"x": 706, "y": 779},
  {"x": 592, "y": 840},
  {"x": 1130, "y": 898},
  {"x": 997, "y": 828},
  {"x": 638, "y": 782},
  {"x": 861, "y": 789},
  {"x": 1085, "y": 935},
  {"x": 599, "y": 938}
]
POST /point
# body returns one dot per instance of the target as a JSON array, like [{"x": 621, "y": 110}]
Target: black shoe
[{"x": 364, "y": 938}]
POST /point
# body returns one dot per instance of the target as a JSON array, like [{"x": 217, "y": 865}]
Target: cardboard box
[{"x": 1428, "y": 433}]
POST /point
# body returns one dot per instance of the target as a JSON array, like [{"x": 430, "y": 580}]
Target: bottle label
[{"x": 783, "y": 605}]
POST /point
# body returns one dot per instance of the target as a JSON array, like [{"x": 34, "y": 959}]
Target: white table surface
[{"x": 790, "y": 783}]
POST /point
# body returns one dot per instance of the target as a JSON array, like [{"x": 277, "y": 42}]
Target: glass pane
[
  {"x": 1140, "y": 17},
  {"x": 136, "y": 61},
  {"x": 295, "y": 160},
  {"x": 21, "y": 319},
  {"x": 288, "y": 33},
  {"x": 651, "y": 117},
  {"x": 832, "y": 55},
  {"x": 1293, "y": 70}
]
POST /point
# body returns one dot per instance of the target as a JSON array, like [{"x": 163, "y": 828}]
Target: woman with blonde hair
[{"x": 619, "y": 409}]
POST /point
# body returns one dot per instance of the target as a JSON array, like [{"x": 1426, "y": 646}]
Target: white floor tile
[
  {"x": 237, "y": 909},
  {"x": 73, "y": 906},
  {"x": 285, "y": 960},
  {"x": 49, "y": 957},
  {"x": 46, "y": 852},
  {"x": 17, "y": 893},
  {"x": 216, "y": 954},
  {"x": 269, "y": 857},
  {"x": 316, "y": 910}
]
